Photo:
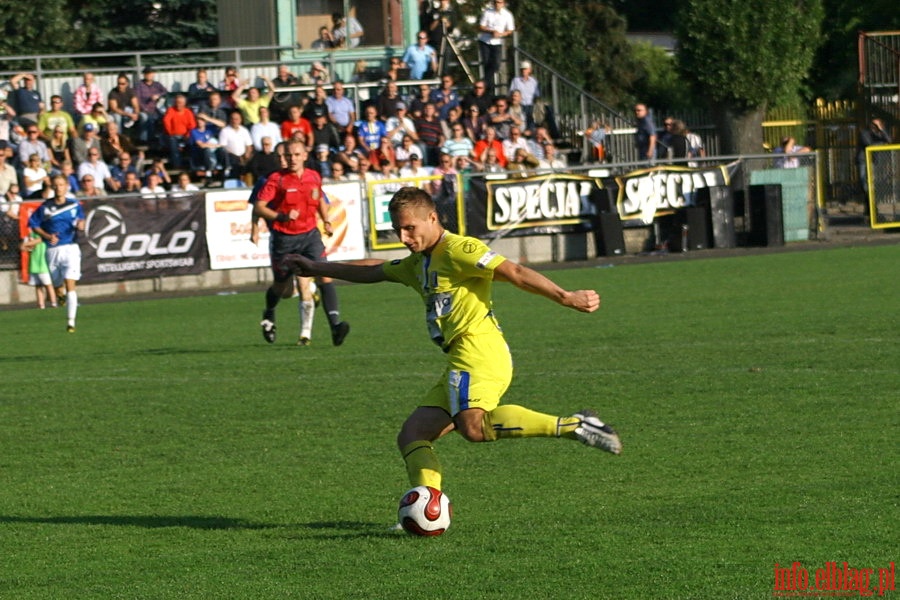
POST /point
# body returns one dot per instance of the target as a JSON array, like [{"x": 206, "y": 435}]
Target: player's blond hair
[{"x": 410, "y": 198}]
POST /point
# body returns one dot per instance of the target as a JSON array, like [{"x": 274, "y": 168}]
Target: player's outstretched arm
[
  {"x": 530, "y": 280},
  {"x": 362, "y": 271}
]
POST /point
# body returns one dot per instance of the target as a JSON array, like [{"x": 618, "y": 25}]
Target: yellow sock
[
  {"x": 422, "y": 464},
  {"x": 511, "y": 421}
]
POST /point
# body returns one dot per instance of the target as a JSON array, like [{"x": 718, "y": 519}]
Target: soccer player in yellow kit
[{"x": 454, "y": 275}]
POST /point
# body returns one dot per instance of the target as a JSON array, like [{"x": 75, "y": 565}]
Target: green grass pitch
[{"x": 166, "y": 451}]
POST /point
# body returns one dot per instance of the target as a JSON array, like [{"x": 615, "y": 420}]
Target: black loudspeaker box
[
  {"x": 608, "y": 235},
  {"x": 766, "y": 219},
  {"x": 719, "y": 204}
]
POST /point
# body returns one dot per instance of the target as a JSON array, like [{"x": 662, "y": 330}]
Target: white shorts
[
  {"x": 65, "y": 263},
  {"x": 37, "y": 279}
]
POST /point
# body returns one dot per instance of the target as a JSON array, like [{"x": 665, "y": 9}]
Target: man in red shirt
[
  {"x": 297, "y": 127},
  {"x": 178, "y": 122},
  {"x": 290, "y": 200}
]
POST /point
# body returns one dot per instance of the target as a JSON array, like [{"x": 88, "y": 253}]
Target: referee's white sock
[{"x": 71, "y": 306}]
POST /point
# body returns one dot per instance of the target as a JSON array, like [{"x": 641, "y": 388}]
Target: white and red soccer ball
[{"x": 425, "y": 511}]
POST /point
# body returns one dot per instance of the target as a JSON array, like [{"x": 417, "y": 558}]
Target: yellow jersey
[{"x": 455, "y": 282}]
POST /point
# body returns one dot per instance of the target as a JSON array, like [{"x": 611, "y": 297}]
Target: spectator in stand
[
  {"x": 68, "y": 171},
  {"x": 518, "y": 112},
  {"x": 35, "y": 177},
  {"x": 445, "y": 97},
  {"x": 415, "y": 169},
  {"x": 438, "y": 21},
  {"x": 447, "y": 173},
  {"x": 8, "y": 175},
  {"x": 540, "y": 140},
  {"x": 341, "y": 111},
  {"x": 388, "y": 100},
  {"x": 122, "y": 103},
  {"x": 788, "y": 147},
  {"x": 523, "y": 164},
  {"x": 453, "y": 117},
  {"x": 490, "y": 162},
  {"x": 153, "y": 190},
  {"x": 596, "y": 135},
  {"x": 490, "y": 143},
  {"x": 317, "y": 75},
  {"x": 38, "y": 271},
  {"x": 418, "y": 101},
  {"x": 49, "y": 119},
  {"x": 228, "y": 85},
  {"x": 26, "y": 99},
  {"x": 325, "y": 41},
  {"x": 297, "y": 126},
  {"x": 678, "y": 143},
  {"x": 183, "y": 188},
  {"x": 528, "y": 87},
  {"x": 496, "y": 23},
  {"x": 405, "y": 150},
  {"x": 420, "y": 58},
  {"x": 95, "y": 166},
  {"x": 119, "y": 171},
  {"x": 458, "y": 144},
  {"x": 178, "y": 123},
  {"x": 97, "y": 117},
  {"x": 80, "y": 146},
  {"x": 33, "y": 144},
  {"x": 645, "y": 134},
  {"x": 503, "y": 120},
  {"x": 370, "y": 132},
  {"x": 158, "y": 168},
  {"x": 474, "y": 122},
  {"x": 431, "y": 134},
  {"x": 346, "y": 33},
  {"x": 113, "y": 144},
  {"x": 199, "y": 90},
  {"x": 59, "y": 150},
  {"x": 317, "y": 105},
  {"x": 265, "y": 161},
  {"x": 283, "y": 101},
  {"x": 480, "y": 97},
  {"x": 89, "y": 188},
  {"x": 400, "y": 125},
  {"x": 206, "y": 152},
  {"x": 515, "y": 142},
  {"x": 339, "y": 172},
  {"x": 265, "y": 129},
  {"x": 320, "y": 161},
  {"x": 350, "y": 154},
  {"x": 87, "y": 95},
  {"x": 149, "y": 94},
  {"x": 255, "y": 99},
  {"x": 132, "y": 184},
  {"x": 695, "y": 146},
  {"x": 213, "y": 113},
  {"x": 386, "y": 152},
  {"x": 324, "y": 133},
  {"x": 364, "y": 172},
  {"x": 875, "y": 134},
  {"x": 10, "y": 204},
  {"x": 552, "y": 160},
  {"x": 387, "y": 172},
  {"x": 238, "y": 145}
]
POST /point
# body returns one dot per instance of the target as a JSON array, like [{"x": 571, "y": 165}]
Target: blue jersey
[{"x": 60, "y": 219}]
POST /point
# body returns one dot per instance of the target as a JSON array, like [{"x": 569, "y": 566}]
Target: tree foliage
[
  {"x": 115, "y": 25},
  {"x": 746, "y": 55},
  {"x": 38, "y": 28}
]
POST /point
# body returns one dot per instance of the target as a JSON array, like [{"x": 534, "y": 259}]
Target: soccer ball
[{"x": 425, "y": 511}]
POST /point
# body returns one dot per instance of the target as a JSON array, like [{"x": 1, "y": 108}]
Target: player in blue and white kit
[{"x": 58, "y": 221}]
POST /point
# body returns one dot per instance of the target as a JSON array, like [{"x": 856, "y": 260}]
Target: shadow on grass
[
  {"x": 148, "y": 521},
  {"x": 343, "y": 530}
]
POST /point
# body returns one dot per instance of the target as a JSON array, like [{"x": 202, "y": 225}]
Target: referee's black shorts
[{"x": 307, "y": 244}]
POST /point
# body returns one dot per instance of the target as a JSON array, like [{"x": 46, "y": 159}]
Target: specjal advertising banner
[
  {"x": 556, "y": 203},
  {"x": 128, "y": 238}
]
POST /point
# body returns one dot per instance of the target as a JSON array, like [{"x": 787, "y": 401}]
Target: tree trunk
[{"x": 740, "y": 131}]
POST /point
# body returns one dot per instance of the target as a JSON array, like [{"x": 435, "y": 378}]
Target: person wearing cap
[
  {"x": 81, "y": 145},
  {"x": 420, "y": 57},
  {"x": 324, "y": 133},
  {"x": 27, "y": 100},
  {"x": 149, "y": 94},
  {"x": 529, "y": 88},
  {"x": 317, "y": 75}
]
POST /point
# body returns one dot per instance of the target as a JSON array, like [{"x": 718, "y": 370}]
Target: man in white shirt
[
  {"x": 495, "y": 24},
  {"x": 265, "y": 128},
  {"x": 238, "y": 145}
]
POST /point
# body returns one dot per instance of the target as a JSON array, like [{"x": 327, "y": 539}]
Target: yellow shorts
[{"x": 478, "y": 372}]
